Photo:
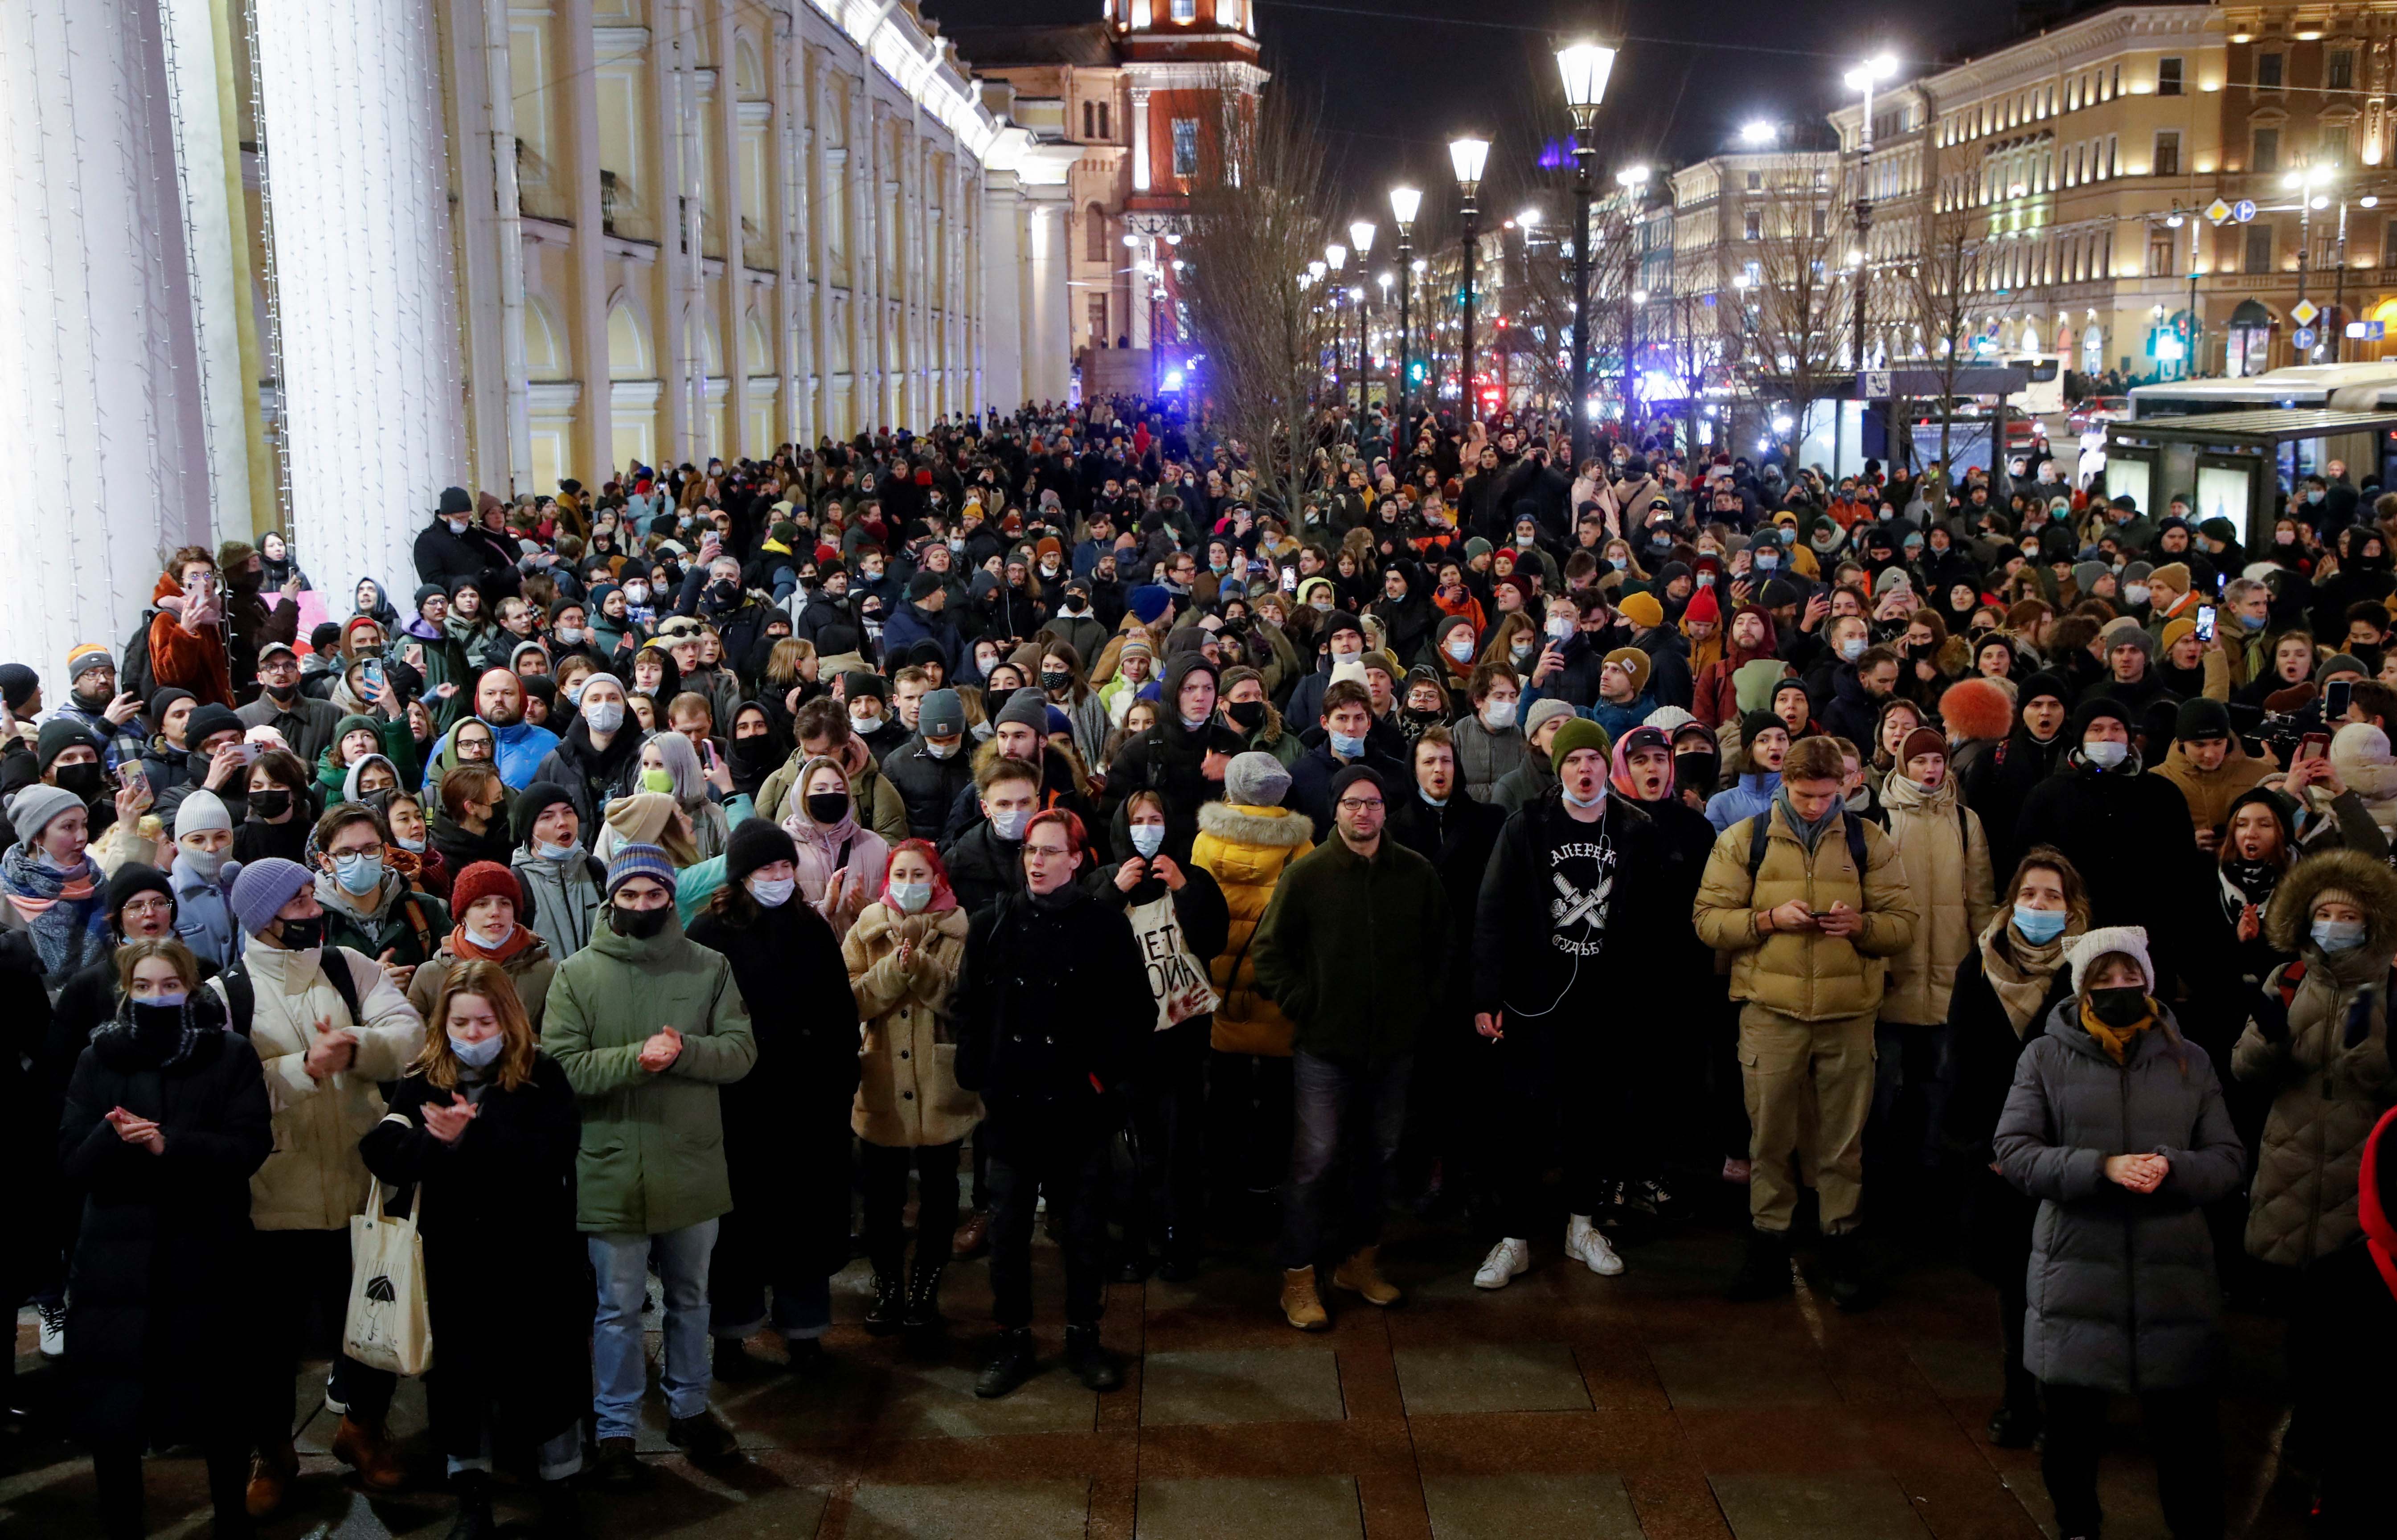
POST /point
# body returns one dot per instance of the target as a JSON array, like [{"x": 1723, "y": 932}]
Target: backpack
[
  {"x": 133, "y": 667},
  {"x": 1760, "y": 831},
  {"x": 241, "y": 995}
]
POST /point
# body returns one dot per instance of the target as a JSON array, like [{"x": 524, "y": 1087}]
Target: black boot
[
  {"x": 1092, "y": 1363},
  {"x": 475, "y": 1522},
  {"x": 884, "y": 1316},
  {"x": 1181, "y": 1261},
  {"x": 1847, "y": 1276},
  {"x": 924, "y": 1300},
  {"x": 734, "y": 1365},
  {"x": 1010, "y": 1365},
  {"x": 1763, "y": 1271}
]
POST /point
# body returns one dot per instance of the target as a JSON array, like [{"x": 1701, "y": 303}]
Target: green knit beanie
[{"x": 1579, "y": 733}]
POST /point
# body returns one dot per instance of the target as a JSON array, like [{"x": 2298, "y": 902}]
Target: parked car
[{"x": 2098, "y": 408}]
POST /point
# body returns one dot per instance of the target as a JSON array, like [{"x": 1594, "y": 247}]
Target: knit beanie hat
[
  {"x": 1026, "y": 708},
  {"x": 640, "y": 819},
  {"x": 1255, "y": 779},
  {"x": 1579, "y": 733},
  {"x": 1147, "y": 603},
  {"x": 84, "y": 658},
  {"x": 639, "y": 860},
  {"x": 2339, "y": 662},
  {"x": 2129, "y": 939},
  {"x": 262, "y": 886},
  {"x": 206, "y": 721},
  {"x": 1643, "y": 609},
  {"x": 57, "y": 735},
  {"x": 2126, "y": 630},
  {"x": 18, "y": 685},
  {"x": 758, "y": 843},
  {"x": 2049, "y": 686},
  {"x": 1668, "y": 719},
  {"x": 36, "y": 806},
  {"x": 1543, "y": 709},
  {"x": 1751, "y": 723},
  {"x": 531, "y": 804},
  {"x": 202, "y": 810},
  {"x": 1635, "y": 662},
  {"x": 2173, "y": 572},
  {"x": 922, "y": 586},
  {"x": 941, "y": 715},
  {"x": 1703, "y": 608},
  {"x": 163, "y": 700},
  {"x": 2174, "y": 631},
  {"x": 488, "y": 879},
  {"x": 133, "y": 879},
  {"x": 2200, "y": 718},
  {"x": 1920, "y": 741},
  {"x": 1350, "y": 774}
]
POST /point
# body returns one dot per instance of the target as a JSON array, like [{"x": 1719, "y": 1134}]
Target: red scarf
[
  {"x": 464, "y": 946},
  {"x": 2379, "y": 1235}
]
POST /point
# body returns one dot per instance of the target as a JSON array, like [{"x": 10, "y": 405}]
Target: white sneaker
[
  {"x": 1583, "y": 1243},
  {"x": 54, "y": 1330},
  {"x": 1505, "y": 1259}
]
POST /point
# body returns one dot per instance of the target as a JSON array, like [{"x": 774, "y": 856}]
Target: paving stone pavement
[{"x": 1636, "y": 1408}]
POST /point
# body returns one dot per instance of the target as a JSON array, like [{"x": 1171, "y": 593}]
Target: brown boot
[
  {"x": 271, "y": 1471},
  {"x": 1300, "y": 1304},
  {"x": 1358, "y": 1275},
  {"x": 973, "y": 1237},
  {"x": 369, "y": 1450}
]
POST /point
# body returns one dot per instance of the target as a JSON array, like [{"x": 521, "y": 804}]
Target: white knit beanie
[{"x": 2129, "y": 939}]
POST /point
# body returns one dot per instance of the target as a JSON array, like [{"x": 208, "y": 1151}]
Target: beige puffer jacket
[
  {"x": 1946, "y": 860},
  {"x": 1806, "y": 974},
  {"x": 2327, "y": 1094},
  {"x": 315, "y": 1180},
  {"x": 907, "y": 1090}
]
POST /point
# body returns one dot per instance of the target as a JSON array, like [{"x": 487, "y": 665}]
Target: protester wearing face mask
[
  {"x": 370, "y": 906},
  {"x": 2116, "y": 1124},
  {"x": 787, "y": 1122},
  {"x": 1344, "y": 648},
  {"x": 324, "y": 1043},
  {"x": 484, "y": 1124},
  {"x": 931, "y": 769},
  {"x": 487, "y": 909},
  {"x": 561, "y": 880},
  {"x": 837, "y": 856},
  {"x": 278, "y": 811},
  {"x": 1185, "y": 755},
  {"x": 165, "y": 1121},
  {"x": 202, "y": 874}
]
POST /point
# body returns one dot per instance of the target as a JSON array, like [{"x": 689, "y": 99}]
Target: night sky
[{"x": 1392, "y": 80}]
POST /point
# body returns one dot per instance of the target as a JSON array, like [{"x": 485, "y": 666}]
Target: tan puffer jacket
[
  {"x": 1246, "y": 849},
  {"x": 907, "y": 1090},
  {"x": 2327, "y": 1094},
  {"x": 2210, "y": 793},
  {"x": 1806, "y": 974},
  {"x": 1947, "y": 859}
]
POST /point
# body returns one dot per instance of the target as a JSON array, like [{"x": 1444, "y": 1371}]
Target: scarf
[
  {"x": 2246, "y": 882},
  {"x": 1809, "y": 833},
  {"x": 122, "y": 1041},
  {"x": 465, "y": 947},
  {"x": 67, "y": 912},
  {"x": 2019, "y": 973},
  {"x": 2116, "y": 1042}
]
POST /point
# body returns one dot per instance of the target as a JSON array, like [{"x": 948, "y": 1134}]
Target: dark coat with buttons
[
  {"x": 1053, "y": 1008},
  {"x": 2121, "y": 1284}
]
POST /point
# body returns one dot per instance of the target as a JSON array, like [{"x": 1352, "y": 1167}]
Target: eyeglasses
[
  {"x": 1045, "y": 852},
  {"x": 150, "y": 906},
  {"x": 1351, "y": 803}
]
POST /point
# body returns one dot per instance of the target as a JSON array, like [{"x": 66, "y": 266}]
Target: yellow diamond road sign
[
  {"x": 2304, "y": 311},
  {"x": 2217, "y": 211}
]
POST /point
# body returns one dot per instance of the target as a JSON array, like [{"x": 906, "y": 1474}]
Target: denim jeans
[
  {"x": 618, "y": 1363},
  {"x": 556, "y": 1459},
  {"x": 1366, "y": 1105}
]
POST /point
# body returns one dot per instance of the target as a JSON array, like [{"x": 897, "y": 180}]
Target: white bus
[{"x": 2044, "y": 395}]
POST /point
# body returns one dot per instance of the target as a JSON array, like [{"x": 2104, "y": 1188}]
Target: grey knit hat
[
  {"x": 36, "y": 806},
  {"x": 1025, "y": 708},
  {"x": 1542, "y": 710},
  {"x": 1255, "y": 779}
]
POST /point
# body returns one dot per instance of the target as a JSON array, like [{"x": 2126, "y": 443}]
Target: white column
[
  {"x": 215, "y": 235},
  {"x": 99, "y": 363},
  {"x": 999, "y": 264},
  {"x": 1139, "y": 138},
  {"x": 356, "y": 189}
]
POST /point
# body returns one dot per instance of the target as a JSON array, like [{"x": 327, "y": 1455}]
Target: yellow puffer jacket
[
  {"x": 1806, "y": 974},
  {"x": 1246, "y": 849},
  {"x": 1947, "y": 864}
]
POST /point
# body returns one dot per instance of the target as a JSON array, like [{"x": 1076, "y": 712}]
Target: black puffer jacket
[
  {"x": 1055, "y": 1004},
  {"x": 929, "y": 786}
]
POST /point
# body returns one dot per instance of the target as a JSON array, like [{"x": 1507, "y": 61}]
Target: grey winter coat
[
  {"x": 2121, "y": 1284},
  {"x": 1485, "y": 757}
]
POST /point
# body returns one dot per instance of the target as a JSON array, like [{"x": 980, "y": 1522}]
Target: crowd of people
[{"x": 894, "y": 846}]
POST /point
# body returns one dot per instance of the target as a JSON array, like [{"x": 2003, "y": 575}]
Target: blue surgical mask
[
  {"x": 164, "y": 1001},
  {"x": 559, "y": 854},
  {"x": 1148, "y": 839},
  {"x": 1347, "y": 747},
  {"x": 2339, "y": 935},
  {"x": 1853, "y": 649},
  {"x": 2040, "y": 925},
  {"x": 358, "y": 874},
  {"x": 1009, "y": 823},
  {"x": 911, "y": 897},
  {"x": 2254, "y": 623},
  {"x": 479, "y": 1055}
]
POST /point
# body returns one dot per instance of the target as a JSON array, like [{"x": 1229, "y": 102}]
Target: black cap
[
  {"x": 2200, "y": 718},
  {"x": 1349, "y": 775}
]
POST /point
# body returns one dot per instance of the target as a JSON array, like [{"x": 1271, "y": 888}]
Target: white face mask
[
  {"x": 1461, "y": 648},
  {"x": 2106, "y": 754},
  {"x": 1498, "y": 715},
  {"x": 772, "y": 892},
  {"x": 604, "y": 716},
  {"x": 911, "y": 897},
  {"x": 1009, "y": 823},
  {"x": 1148, "y": 839},
  {"x": 637, "y": 593},
  {"x": 490, "y": 941}
]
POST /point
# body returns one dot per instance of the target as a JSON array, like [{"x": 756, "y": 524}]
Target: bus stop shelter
[{"x": 2232, "y": 464}]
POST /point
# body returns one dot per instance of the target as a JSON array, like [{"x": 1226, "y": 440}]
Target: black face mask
[
  {"x": 300, "y": 935},
  {"x": 2119, "y": 1007},
  {"x": 157, "y": 1029},
  {"x": 638, "y": 924},
  {"x": 85, "y": 780},
  {"x": 274, "y": 802},
  {"x": 827, "y": 807},
  {"x": 1249, "y": 715},
  {"x": 723, "y": 593}
]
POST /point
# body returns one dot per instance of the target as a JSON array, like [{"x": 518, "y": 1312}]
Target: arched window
[{"x": 1094, "y": 235}]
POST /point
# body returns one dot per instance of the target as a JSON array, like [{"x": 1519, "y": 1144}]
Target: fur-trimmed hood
[
  {"x": 1275, "y": 827},
  {"x": 2372, "y": 885}
]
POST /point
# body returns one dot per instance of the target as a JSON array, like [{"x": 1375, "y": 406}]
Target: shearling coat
[
  {"x": 1946, "y": 861},
  {"x": 2121, "y": 1284},
  {"x": 1246, "y": 849},
  {"x": 907, "y": 1090},
  {"x": 1807, "y": 975},
  {"x": 2328, "y": 1067}
]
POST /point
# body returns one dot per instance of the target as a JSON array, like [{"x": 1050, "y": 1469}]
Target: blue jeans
[
  {"x": 1368, "y": 1106},
  {"x": 618, "y": 1363}
]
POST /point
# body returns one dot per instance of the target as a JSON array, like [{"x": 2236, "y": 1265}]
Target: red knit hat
[
  {"x": 484, "y": 879},
  {"x": 1703, "y": 607}
]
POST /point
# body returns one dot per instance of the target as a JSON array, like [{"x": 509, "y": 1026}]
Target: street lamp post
[
  {"x": 1360, "y": 238},
  {"x": 1404, "y": 202},
  {"x": 2303, "y": 183},
  {"x": 1585, "y": 67},
  {"x": 1467, "y": 156},
  {"x": 1335, "y": 258},
  {"x": 1878, "y": 67},
  {"x": 1396, "y": 398}
]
